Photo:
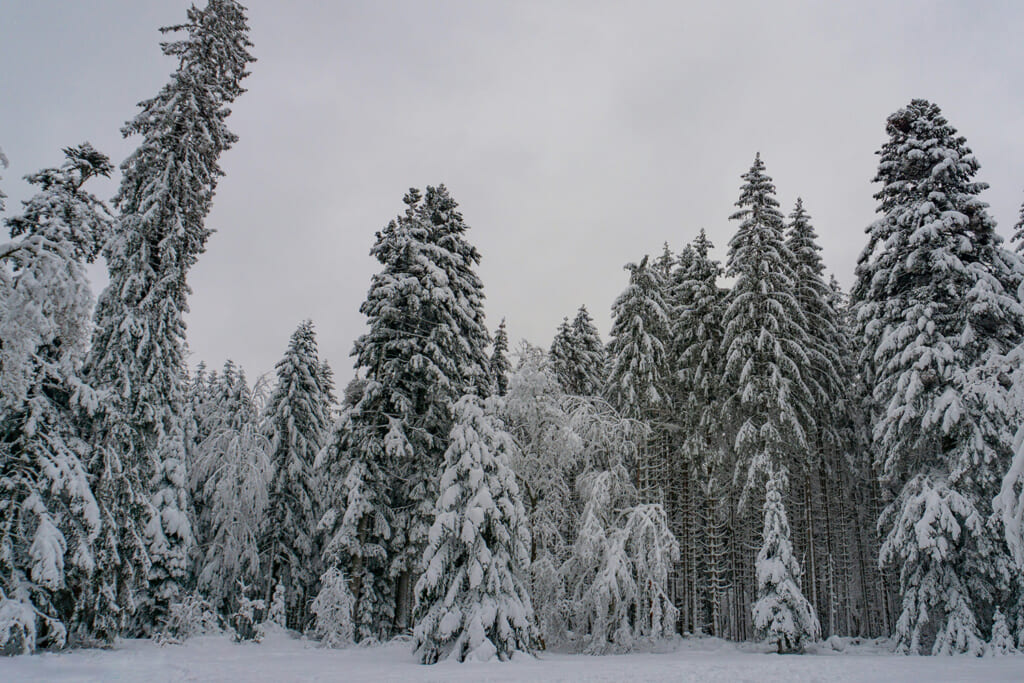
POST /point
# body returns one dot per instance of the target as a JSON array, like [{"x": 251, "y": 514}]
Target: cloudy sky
[{"x": 576, "y": 136}]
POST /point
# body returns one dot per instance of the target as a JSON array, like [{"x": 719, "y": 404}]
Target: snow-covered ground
[{"x": 279, "y": 658}]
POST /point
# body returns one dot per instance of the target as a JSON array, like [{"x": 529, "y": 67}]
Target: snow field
[{"x": 281, "y": 659}]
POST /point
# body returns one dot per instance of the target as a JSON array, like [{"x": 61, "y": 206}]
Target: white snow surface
[{"x": 282, "y": 658}]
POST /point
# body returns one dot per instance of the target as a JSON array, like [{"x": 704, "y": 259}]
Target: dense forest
[{"x": 753, "y": 454}]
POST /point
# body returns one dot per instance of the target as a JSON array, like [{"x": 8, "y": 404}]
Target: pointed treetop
[
  {"x": 701, "y": 244},
  {"x": 665, "y": 262},
  {"x": 803, "y": 240},
  {"x": 1018, "y": 234},
  {"x": 760, "y": 234},
  {"x": 499, "y": 363}
]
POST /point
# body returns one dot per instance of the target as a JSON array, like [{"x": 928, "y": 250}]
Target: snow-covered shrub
[
  {"x": 333, "y": 610},
  {"x": 188, "y": 617},
  {"x": 248, "y": 617},
  {"x": 277, "y": 613},
  {"x": 17, "y": 627}
]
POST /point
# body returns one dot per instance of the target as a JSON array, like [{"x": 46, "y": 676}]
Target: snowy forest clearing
[{"x": 280, "y": 658}]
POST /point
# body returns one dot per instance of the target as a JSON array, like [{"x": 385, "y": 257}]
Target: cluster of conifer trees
[{"x": 769, "y": 459}]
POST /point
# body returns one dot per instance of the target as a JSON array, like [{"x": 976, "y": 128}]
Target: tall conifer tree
[
  {"x": 49, "y": 519},
  {"x": 639, "y": 375},
  {"x": 936, "y": 304},
  {"x": 425, "y": 348},
  {"x": 590, "y": 356},
  {"x": 498, "y": 363},
  {"x": 297, "y": 425},
  {"x": 137, "y": 352},
  {"x": 1018, "y": 231},
  {"x": 638, "y": 352},
  {"x": 764, "y": 341}
]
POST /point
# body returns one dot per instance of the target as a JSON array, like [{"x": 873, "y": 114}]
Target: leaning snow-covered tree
[
  {"x": 137, "y": 352},
  {"x": 616, "y": 572},
  {"x": 782, "y": 615},
  {"x": 49, "y": 519},
  {"x": 297, "y": 424},
  {"x": 470, "y": 601},
  {"x": 936, "y": 309}
]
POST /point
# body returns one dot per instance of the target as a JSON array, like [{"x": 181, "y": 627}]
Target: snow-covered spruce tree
[
  {"x": 545, "y": 460},
  {"x": 815, "y": 296},
  {"x": 588, "y": 378},
  {"x": 578, "y": 357},
  {"x": 700, "y": 475},
  {"x": 1018, "y": 230},
  {"x": 637, "y": 351},
  {"x": 499, "y": 364},
  {"x": 638, "y": 377},
  {"x": 49, "y": 519},
  {"x": 297, "y": 425},
  {"x": 470, "y": 600},
  {"x": 229, "y": 483},
  {"x": 936, "y": 306},
  {"x": 166, "y": 190},
  {"x": 560, "y": 355},
  {"x": 1001, "y": 642},
  {"x": 764, "y": 342},
  {"x": 782, "y": 615},
  {"x": 696, "y": 343},
  {"x": 813, "y": 537},
  {"x": 426, "y": 347},
  {"x": 359, "y": 521}
]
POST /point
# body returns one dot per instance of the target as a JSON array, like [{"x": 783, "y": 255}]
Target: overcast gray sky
[{"x": 576, "y": 136}]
